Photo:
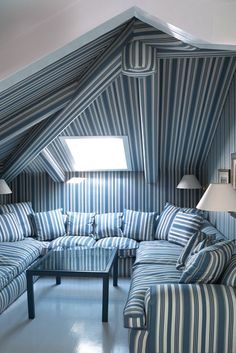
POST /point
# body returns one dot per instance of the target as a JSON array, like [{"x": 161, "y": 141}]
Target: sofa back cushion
[
  {"x": 10, "y": 228},
  {"x": 207, "y": 265},
  {"x": 49, "y": 225},
  {"x": 199, "y": 238},
  {"x": 108, "y": 225},
  {"x": 22, "y": 211},
  {"x": 80, "y": 224},
  {"x": 229, "y": 275},
  {"x": 183, "y": 227},
  {"x": 165, "y": 221},
  {"x": 139, "y": 225}
]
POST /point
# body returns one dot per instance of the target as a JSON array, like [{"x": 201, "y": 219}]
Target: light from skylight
[{"x": 98, "y": 153}]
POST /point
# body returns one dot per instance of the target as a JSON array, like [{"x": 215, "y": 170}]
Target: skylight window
[{"x": 98, "y": 153}]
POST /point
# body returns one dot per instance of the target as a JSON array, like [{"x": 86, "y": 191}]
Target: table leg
[
  {"x": 30, "y": 295},
  {"x": 115, "y": 271},
  {"x": 105, "y": 298},
  {"x": 58, "y": 280}
]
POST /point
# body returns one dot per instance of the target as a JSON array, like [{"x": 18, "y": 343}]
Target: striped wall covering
[
  {"x": 219, "y": 157},
  {"x": 100, "y": 192},
  {"x": 169, "y": 118}
]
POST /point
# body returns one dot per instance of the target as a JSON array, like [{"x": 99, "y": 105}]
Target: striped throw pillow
[
  {"x": 10, "y": 228},
  {"x": 165, "y": 221},
  {"x": 22, "y": 211},
  {"x": 139, "y": 225},
  {"x": 183, "y": 227},
  {"x": 229, "y": 275},
  {"x": 80, "y": 223},
  {"x": 207, "y": 265},
  {"x": 108, "y": 225},
  {"x": 49, "y": 225},
  {"x": 197, "y": 238}
]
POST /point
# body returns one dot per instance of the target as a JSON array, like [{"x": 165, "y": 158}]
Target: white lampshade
[
  {"x": 4, "y": 188},
  {"x": 218, "y": 197},
  {"x": 189, "y": 181}
]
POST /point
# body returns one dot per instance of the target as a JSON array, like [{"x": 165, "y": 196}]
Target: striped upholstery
[
  {"x": 138, "y": 59},
  {"x": 207, "y": 265},
  {"x": 159, "y": 252},
  {"x": 108, "y": 225},
  {"x": 80, "y": 223},
  {"x": 144, "y": 276},
  {"x": 49, "y": 225},
  {"x": 70, "y": 241},
  {"x": 22, "y": 210},
  {"x": 7, "y": 273},
  {"x": 199, "y": 238},
  {"x": 209, "y": 229},
  {"x": 20, "y": 254},
  {"x": 126, "y": 247},
  {"x": 10, "y": 229},
  {"x": 190, "y": 319},
  {"x": 210, "y": 240},
  {"x": 139, "y": 225},
  {"x": 165, "y": 221},
  {"x": 183, "y": 227},
  {"x": 229, "y": 275}
]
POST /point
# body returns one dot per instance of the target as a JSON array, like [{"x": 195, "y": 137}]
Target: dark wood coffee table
[{"x": 83, "y": 262}]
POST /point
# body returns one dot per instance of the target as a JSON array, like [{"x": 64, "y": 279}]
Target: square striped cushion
[
  {"x": 229, "y": 275},
  {"x": 207, "y": 265},
  {"x": 49, "y": 225},
  {"x": 199, "y": 240},
  {"x": 22, "y": 211},
  {"x": 183, "y": 227},
  {"x": 108, "y": 225},
  {"x": 80, "y": 223},
  {"x": 10, "y": 229},
  {"x": 139, "y": 225},
  {"x": 166, "y": 218}
]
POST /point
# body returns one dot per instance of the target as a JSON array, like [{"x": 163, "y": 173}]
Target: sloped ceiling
[{"x": 85, "y": 93}]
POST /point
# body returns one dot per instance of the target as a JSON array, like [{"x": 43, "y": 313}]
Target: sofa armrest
[{"x": 191, "y": 318}]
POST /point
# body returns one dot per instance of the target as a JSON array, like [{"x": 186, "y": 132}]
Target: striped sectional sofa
[{"x": 170, "y": 310}]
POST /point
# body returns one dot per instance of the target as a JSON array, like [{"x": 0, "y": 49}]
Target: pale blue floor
[{"x": 68, "y": 319}]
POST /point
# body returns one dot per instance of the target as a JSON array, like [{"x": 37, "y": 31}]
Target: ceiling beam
[
  {"x": 51, "y": 166},
  {"x": 148, "y": 106},
  {"x": 91, "y": 85}
]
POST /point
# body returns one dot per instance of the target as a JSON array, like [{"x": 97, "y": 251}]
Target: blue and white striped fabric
[
  {"x": 22, "y": 210},
  {"x": 193, "y": 318},
  {"x": 20, "y": 254},
  {"x": 199, "y": 238},
  {"x": 229, "y": 275},
  {"x": 159, "y": 252},
  {"x": 183, "y": 227},
  {"x": 80, "y": 223},
  {"x": 70, "y": 241},
  {"x": 10, "y": 229},
  {"x": 207, "y": 265},
  {"x": 139, "y": 225},
  {"x": 138, "y": 59},
  {"x": 143, "y": 277},
  {"x": 126, "y": 247},
  {"x": 49, "y": 225},
  {"x": 108, "y": 225},
  {"x": 165, "y": 221}
]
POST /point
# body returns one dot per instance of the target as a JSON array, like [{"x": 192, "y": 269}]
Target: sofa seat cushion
[
  {"x": 144, "y": 276},
  {"x": 126, "y": 247},
  {"x": 7, "y": 273},
  {"x": 71, "y": 241},
  {"x": 159, "y": 252},
  {"x": 20, "y": 254}
]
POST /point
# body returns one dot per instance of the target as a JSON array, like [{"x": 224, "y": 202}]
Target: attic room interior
[{"x": 117, "y": 177}]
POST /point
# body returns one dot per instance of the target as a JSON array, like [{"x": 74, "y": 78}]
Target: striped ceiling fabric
[{"x": 170, "y": 118}]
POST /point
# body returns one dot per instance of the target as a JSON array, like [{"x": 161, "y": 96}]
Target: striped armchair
[{"x": 186, "y": 318}]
